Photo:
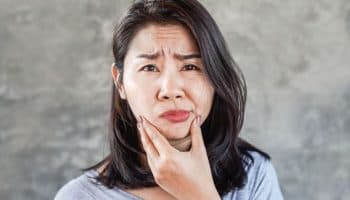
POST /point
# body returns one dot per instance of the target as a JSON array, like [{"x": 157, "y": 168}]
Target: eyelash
[{"x": 147, "y": 66}]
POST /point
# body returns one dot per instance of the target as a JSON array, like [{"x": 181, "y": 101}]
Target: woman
[{"x": 178, "y": 101}]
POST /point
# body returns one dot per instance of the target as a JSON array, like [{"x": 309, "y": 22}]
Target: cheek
[
  {"x": 202, "y": 94},
  {"x": 138, "y": 96}
]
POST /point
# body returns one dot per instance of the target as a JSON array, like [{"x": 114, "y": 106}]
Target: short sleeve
[
  {"x": 73, "y": 190},
  {"x": 266, "y": 185}
]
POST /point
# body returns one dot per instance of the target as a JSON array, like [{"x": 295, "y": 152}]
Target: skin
[{"x": 164, "y": 81}]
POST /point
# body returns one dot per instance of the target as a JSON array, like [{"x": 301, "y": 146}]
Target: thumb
[{"x": 196, "y": 134}]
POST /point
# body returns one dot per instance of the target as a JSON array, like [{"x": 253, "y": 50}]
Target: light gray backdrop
[{"x": 55, "y": 81}]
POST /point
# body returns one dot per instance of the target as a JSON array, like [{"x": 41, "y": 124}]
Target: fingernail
[
  {"x": 138, "y": 125},
  {"x": 139, "y": 121},
  {"x": 198, "y": 119}
]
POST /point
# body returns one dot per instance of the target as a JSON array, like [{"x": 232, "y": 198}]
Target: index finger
[{"x": 159, "y": 141}]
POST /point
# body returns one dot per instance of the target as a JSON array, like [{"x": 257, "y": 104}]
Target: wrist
[
  {"x": 215, "y": 196},
  {"x": 211, "y": 195}
]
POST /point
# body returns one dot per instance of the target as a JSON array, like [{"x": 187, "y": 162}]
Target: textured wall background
[{"x": 54, "y": 89}]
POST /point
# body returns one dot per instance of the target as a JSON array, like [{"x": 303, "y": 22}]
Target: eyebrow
[{"x": 178, "y": 56}]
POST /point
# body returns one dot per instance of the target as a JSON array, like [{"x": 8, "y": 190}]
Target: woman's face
[{"x": 163, "y": 71}]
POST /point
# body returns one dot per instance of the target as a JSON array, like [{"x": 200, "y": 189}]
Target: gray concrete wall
[{"x": 54, "y": 89}]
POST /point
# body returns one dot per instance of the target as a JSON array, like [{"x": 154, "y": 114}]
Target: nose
[{"x": 171, "y": 87}]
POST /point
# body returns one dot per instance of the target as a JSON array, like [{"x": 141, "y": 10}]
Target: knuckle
[
  {"x": 163, "y": 162},
  {"x": 165, "y": 169},
  {"x": 166, "y": 164},
  {"x": 158, "y": 177}
]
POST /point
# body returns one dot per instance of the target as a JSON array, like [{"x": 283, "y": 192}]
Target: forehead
[{"x": 170, "y": 38}]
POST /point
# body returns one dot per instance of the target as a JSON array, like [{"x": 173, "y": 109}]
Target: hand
[{"x": 184, "y": 175}]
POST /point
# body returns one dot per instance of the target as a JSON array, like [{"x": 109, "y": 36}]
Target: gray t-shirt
[{"x": 262, "y": 184}]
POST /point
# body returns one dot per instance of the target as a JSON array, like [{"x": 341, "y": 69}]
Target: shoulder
[
  {"x": 74, "y": 190},
  {"x": 262, "y": 181},
  {"x": 259, "y": 165},
  {"x": 261, "y": 169},
  {"x": 86, "y": 187}
]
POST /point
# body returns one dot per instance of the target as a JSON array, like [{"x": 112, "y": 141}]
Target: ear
[{"x": 118, "y": 85}]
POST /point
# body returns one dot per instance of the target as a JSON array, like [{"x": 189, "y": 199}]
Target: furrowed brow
[
  {"x": 148, "y": 56},
  {"x": 178, "y": 56}
]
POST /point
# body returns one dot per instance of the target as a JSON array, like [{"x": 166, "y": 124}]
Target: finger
[
  {"x": 159, "y": 141},
  {"x": 196, "y": 134},
  {"x": 146, "y": 142}
]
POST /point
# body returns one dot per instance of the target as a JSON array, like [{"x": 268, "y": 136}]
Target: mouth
[{"x": 176, "y": 116}]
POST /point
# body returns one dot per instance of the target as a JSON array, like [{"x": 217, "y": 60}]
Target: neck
[{"x": 182, "y": 144}]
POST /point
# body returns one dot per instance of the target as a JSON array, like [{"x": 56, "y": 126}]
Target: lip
[{"x": 176, "y": 116}]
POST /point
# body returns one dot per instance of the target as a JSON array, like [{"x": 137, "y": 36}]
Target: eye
[
  {"x": 191, "y": 67},
  {"x": 150, "y": 68}
]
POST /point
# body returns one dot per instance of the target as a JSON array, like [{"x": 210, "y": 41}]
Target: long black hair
[{"x": 228, "y": 154}]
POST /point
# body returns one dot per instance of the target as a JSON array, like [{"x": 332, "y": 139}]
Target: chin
[{"x": 176, "y": 133}]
